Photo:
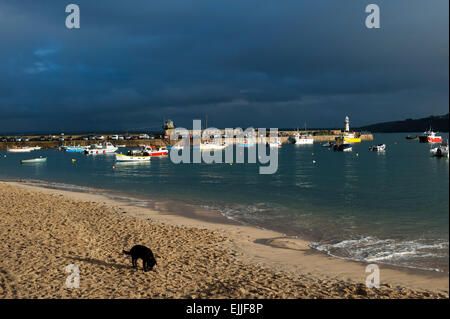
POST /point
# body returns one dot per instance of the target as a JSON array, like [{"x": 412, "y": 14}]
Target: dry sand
[{"x": 44, "y": 230}]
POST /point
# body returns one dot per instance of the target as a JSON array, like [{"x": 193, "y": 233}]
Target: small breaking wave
[
  {"x": 424, "y": 254},
  {"x": 406, "y": 253}
]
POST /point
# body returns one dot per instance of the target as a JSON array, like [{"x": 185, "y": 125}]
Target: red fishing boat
[
  {"x": 151, "y": 151},
  {"x": 430, "y": 137}
]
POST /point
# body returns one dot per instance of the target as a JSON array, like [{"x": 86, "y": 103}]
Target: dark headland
[{"x": 437, "y": 123}]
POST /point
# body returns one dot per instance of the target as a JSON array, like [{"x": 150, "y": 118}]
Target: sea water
[{"x": 389, "y": 207}]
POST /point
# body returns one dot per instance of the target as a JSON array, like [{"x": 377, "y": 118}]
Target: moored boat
[
  {"x": 132, "y": 158},
  {"x": 247, "y": 141},
  {"x": 440, "y": 151},
  {"x": 378, "y": 148},
  {"x": 74, "y": 149},
  {"x": 246, "y": 144},
  {"x": 208, "y": 145},
  {"x": 351, "y": 138},
  {"x": 151, "y": 150},
  {"x": 24, "y": 149},
  {"x": 34, "y": 160},
  {"x": 342, "y": 148},
  {"x": 433, "y": 138},
  {"x": 104, "y": 148},
  {"x": 274, "y": 142},
  {"x": 158, "y": 151},
  {"x": 302, "y": 139},
  {"x": 430, "y": 137}
]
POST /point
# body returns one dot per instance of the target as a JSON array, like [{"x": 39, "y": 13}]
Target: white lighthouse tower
[{"x": 347, "y": 124}]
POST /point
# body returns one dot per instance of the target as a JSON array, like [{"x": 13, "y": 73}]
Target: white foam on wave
[
  {"x": 257, "y": 212},
  {"x": 419, "y": 254},
  {"x": 407, "y": 253}
]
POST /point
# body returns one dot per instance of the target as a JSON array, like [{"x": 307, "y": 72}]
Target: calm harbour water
[{"x": 387, "y": 207}]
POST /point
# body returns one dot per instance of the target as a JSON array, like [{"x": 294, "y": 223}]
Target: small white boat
[
  {"x": 34, "y": 160},
  {"x": 207, "y": 146},
  {"x": 378, "y": 148},
  {"x": 104, "y": 148},
  {"x": 132, "y": 158},
  {"x": 343, "y": 148},
  {"x": 303, "y": 139},
  {"x": 441, "y": 151},
  {"x": 274, "y": 142},
  {"x": 24, "y": 149}
]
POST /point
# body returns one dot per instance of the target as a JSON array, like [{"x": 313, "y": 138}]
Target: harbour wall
[{"x": 77, "y": 140}]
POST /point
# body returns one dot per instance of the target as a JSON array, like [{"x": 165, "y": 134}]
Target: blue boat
[
  {"x": 246, "y": 144},
  {"x": 74, "y": 149},
  {"x": 248, "y": 141}
]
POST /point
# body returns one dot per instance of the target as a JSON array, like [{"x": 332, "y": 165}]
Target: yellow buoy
[{"x": 73, "y": 160}]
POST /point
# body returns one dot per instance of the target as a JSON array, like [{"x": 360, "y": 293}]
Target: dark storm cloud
[{"x": 247, "y": 62}]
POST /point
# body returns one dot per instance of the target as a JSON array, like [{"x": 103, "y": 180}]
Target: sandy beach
[{"x": 199, "y": 255}]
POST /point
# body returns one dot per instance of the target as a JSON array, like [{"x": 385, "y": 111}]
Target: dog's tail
[{"x": 126, "y": 252}]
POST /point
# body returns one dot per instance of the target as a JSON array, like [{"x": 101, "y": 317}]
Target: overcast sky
[{"x": 266, "y": 63}]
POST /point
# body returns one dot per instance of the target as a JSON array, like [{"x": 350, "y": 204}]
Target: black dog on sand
[{"x": 144, "y": 253}]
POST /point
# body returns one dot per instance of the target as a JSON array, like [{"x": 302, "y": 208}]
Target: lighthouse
[
  {"x": 168, "y": 128},
  {"x": 347, "y": 124}
]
